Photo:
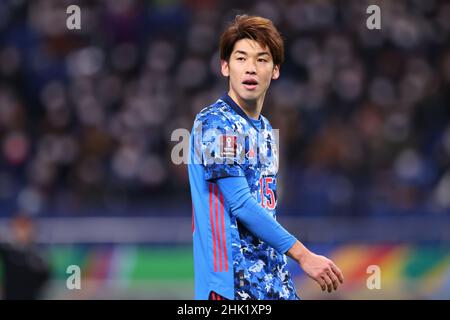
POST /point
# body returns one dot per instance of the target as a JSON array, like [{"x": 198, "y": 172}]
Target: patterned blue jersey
[{"x": 228, "y": 259}]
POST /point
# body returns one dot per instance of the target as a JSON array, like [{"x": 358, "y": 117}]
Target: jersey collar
[{"x": 229, "y": 101}]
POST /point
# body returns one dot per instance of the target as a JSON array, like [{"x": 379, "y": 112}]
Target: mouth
[{"x": 250, "y": 84}]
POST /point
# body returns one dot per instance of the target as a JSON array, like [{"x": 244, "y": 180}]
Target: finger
[
  {"x": 321, "y": 283},
  {"x": 337, "y": 272},
  {"x": 328, "y": 281},
  {"x": 333, "y": 278}
]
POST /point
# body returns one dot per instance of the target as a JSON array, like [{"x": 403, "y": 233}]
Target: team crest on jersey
[{"x": 228, "y": 146}]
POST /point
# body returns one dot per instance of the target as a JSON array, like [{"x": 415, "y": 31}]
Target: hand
[
  {"x": 319, "y": 268},
  {"x": 322, "y": 270}
]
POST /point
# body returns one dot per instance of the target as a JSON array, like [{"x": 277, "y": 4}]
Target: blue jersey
[{"x": 228, "y": 258}]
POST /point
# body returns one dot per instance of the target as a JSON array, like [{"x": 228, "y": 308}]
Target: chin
[{"x": 249, "y": 96}]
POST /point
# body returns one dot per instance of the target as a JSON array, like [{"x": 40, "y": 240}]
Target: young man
[{"x": 239, "y": 247}]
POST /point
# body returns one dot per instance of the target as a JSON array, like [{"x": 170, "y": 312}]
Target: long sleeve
[{"x": 255, "y": 218}]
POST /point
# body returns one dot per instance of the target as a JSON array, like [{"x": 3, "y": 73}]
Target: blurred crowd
[{"x": 86, "y": 115}]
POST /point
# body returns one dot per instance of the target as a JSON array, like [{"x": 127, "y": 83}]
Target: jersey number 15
[{"x": 266, "y": 190}]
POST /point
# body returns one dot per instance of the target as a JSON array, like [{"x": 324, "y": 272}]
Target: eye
[
  {"x": 262, "y": 60},
  {"x": 240, "y": 58}
]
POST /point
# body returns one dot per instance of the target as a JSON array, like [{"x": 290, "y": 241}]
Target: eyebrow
[{"x": 245, "y": 53}]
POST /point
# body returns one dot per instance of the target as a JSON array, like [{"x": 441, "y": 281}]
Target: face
[
  {"x": 250, "y": 70},
  {"x": 23, "y": 230}
]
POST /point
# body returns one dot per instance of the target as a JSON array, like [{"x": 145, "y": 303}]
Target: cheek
[
  {"x": 235, "y": 77},
  {"x": 233, "y": 74},
  {"x": 267, "y": 77}
]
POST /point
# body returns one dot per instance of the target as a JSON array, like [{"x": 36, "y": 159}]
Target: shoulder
[
  {"x": 267, "y": 124},
  {"x": 215, "y": 116}
]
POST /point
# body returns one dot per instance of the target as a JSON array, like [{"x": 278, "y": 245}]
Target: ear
[
  {"x": 225, "y": 68},
  {"x": 276, "y": 72}
]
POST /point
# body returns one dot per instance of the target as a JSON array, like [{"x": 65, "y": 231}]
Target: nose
[{"x": 250, "y": 67}]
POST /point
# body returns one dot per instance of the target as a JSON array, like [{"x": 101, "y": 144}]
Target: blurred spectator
[{"x": 25, "y": 271}]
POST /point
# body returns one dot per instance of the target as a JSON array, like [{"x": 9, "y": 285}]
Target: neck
[{"x": 252, "y": 108}]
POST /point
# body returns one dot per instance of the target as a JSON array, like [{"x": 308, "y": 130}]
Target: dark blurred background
[{"x": 86, "y": 117}]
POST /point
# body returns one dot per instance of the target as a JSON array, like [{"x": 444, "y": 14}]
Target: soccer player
[{"x": 239, "y": 247}]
